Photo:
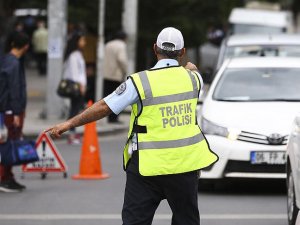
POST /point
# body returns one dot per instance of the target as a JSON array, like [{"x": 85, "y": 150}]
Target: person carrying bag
[
  {"x": 15, "y": 152},
  {"x": 13, "y": 73},
  {"x": 73, "y": 83},
  {"x": 18, "y": 152}
]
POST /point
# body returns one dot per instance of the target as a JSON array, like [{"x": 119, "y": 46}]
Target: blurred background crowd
[{"x": 200, "y": 22}]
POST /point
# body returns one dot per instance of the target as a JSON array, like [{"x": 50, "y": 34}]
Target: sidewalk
[{"x": 34, "y": 124}]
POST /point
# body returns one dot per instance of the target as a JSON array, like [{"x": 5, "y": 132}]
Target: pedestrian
[
  {"x": 90, "y": 57},
  {"x": 14, "y": 82},
  {"x": 40, "y": 46},
  {"x": 115, "y": 67},
  {"x": 74, "y": 69},
  {"x": 165, "y": 148}
]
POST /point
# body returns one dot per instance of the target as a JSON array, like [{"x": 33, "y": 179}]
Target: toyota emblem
[{"x": 275, "y": 139}]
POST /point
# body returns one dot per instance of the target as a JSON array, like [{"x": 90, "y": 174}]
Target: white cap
[{"x": 170, "y": 35}]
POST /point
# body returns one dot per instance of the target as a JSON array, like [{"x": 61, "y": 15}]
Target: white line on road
[{"x": 118, "y": 216}]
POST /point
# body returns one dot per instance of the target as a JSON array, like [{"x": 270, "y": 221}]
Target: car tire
[{"x": 291, "y": 199}]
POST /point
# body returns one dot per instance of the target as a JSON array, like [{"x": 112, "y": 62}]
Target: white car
[
  {"x": 293, "y": 173},
  {"x": 247, "y": 114},
  {"x": 287, "y": 45}
]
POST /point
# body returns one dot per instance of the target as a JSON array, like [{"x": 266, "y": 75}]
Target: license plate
[{"x": 268, "y": 157}]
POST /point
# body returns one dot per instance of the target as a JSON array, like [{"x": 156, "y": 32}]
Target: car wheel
[{"x": 291, "y": 199}]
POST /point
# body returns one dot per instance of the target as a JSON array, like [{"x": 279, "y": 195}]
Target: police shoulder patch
[{"x": 121, "y": 89}]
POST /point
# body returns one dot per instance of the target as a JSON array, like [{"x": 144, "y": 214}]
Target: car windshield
[
  {"x": 262, "y": 50},
  {"x": 258, "y": 84},
  {"x": 255, "y": 29}
]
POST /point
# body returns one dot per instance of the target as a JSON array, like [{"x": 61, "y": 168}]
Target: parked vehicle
[
  {"x": 259, "y": 21},
  {"x": 293, "y": 173},
  {"x": 287, "y": 45},
  {"x": 246, "y": 116}
]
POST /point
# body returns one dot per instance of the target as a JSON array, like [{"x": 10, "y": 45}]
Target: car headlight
[{"x": 210, "y": 128}]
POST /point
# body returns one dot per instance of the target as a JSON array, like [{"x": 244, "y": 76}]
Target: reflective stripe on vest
[
  {"x": 169, "y": 144},
  {"x": 150, "y": 100}
]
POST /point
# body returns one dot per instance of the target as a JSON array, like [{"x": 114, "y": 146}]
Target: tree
[
  {"x": 192, "y": 17},
  {"x": 6, "y": 20}
]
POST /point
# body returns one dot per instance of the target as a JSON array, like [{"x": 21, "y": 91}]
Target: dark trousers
[
  {"x": 109, "y": 87},
  {"x": 14, "y": 133},
  {"x": 143, "y": 195},
  {"x": 41, "y": 59},
  {"x": 91, "y": 82},
  {"x": 76, "y": 106}
]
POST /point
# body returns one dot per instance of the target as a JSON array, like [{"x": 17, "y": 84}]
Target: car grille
[
  {"x": 246, "y": 166},
  {"x": 262, "y": 139}
]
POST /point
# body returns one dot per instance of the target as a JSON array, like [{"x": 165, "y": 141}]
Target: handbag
[
  {"x": 18, "y": 152},
  {"x": 68, "y": 89}
]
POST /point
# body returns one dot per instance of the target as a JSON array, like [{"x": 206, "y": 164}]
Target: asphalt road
[{"x": 56, "y": 200}]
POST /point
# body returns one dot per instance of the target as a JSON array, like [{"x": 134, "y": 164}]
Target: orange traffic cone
[{"x": 90, "y": 163}]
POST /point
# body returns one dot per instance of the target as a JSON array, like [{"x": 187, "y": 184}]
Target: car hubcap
[{"x": 290, "y": 196}]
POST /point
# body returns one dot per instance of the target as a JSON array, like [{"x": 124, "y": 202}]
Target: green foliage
[
  {"x": 40, "y": 4},
  {"x": 87, "y": 12},
  {"x": 113, "y": 17},
  {"x": 84, "y": 11},
  {"x": 192, "y": 17}
]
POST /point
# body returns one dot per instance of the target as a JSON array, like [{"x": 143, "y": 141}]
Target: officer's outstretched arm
[{"x": 97, "y": 111}]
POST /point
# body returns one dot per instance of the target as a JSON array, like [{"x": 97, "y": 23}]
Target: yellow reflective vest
[{"x": 169, "y": 140}]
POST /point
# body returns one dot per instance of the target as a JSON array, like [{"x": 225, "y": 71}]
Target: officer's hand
[
  {"x": 58, "y": 130},
  {"x": 191, "y": 66}
]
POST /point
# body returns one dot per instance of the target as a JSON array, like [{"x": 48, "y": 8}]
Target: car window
[
  {"x": 258, "y": 84},
  {"x": 262, "y": 50},
  {"x": 255, "y": 29}
]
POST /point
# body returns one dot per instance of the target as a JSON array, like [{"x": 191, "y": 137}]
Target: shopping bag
[{"x": 18, "y": 152}]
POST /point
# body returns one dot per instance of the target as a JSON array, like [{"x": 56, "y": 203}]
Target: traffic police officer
[{"x": 165, "y": 147}]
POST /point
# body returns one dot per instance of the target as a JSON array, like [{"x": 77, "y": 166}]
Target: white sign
[
  {"x": 50, "y": 159},
  {"x": 55, "y": 50}
]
